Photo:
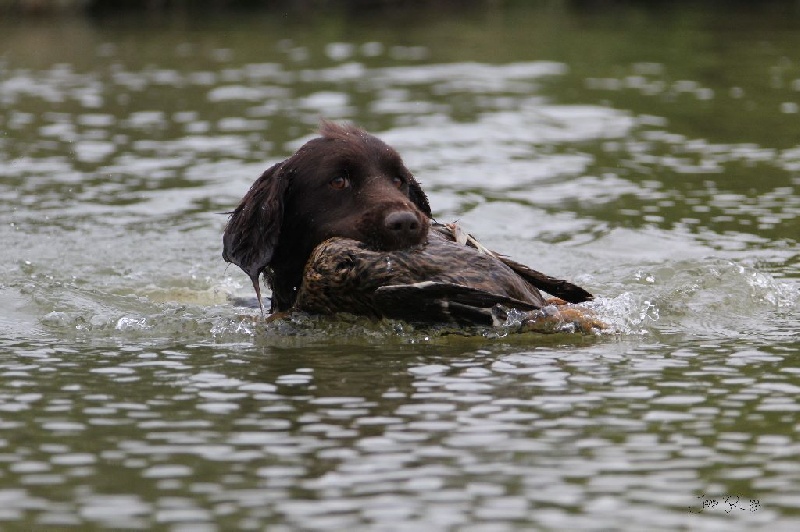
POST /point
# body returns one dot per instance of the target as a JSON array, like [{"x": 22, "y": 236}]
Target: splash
[
  {"x": 710, "y": 298},
  {"x": 127, "y": 323},
  {"x": 766, "y": 288},
  {"x": 627, "y": 313}
]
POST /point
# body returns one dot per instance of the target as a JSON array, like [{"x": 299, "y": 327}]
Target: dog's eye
[
  {"x": 398, "y": 182},
  {"x": 339, "y": 182}
]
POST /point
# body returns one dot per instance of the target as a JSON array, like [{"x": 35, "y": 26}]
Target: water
[{"x": 657, "y": 166}]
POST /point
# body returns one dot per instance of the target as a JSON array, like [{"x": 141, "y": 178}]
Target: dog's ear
[
  {"x": 254, "y": 227},
  {"x": 416, "y": 195}
]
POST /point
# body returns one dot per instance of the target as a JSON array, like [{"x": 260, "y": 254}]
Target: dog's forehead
[{"x": 355, "y": 149}]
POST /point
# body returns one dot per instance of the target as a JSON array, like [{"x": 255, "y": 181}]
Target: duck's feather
[
  {"x": 565, "y": 290},
  {"x": 560, "y": 288},
  {"x": 432, "y": 301}
]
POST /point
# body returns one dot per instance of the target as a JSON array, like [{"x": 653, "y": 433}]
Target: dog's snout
[{"x": 403, "y": 224}]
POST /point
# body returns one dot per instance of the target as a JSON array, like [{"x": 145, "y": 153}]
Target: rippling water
[{"x": 657, "y": 166}]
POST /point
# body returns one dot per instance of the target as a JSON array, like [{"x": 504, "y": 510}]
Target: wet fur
[{"x": 292, "y": 208}]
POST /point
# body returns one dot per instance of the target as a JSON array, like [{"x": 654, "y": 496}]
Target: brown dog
[{"x": 345, "y": 183}]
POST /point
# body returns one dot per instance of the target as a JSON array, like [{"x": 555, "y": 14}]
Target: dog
[
  {"x": 343, "y": 226},
  {"x": 344, "y": 183}
]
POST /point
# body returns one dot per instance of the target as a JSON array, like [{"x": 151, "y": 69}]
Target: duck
[{"x": 449, "y": 279}]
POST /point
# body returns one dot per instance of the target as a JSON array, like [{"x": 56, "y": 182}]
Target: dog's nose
[{"x": 402, "y": 224}]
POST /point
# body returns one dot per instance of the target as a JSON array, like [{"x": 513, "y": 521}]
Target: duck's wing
[
  {"x": 560, "y": 288},
  {"x": 571, "y": 293},
  {"x": 431, "y": 301}
]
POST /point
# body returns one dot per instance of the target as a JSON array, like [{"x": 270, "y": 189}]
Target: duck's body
[{"x": 451, "y": 278}]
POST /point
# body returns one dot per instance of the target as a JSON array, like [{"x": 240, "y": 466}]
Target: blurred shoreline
[
  {"x": 47, "y": 8},
  {"x": 70, "y": 7}
]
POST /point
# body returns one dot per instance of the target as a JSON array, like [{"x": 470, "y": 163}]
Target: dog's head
[{"x": 345, "y": 183}]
